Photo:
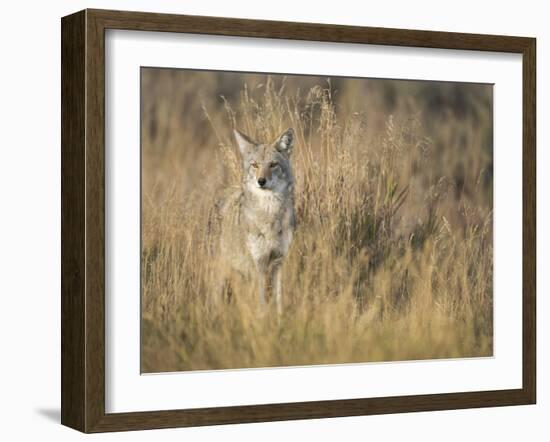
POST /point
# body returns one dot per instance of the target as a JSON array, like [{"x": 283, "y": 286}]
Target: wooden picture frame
[{"x": 83, "y": 220}]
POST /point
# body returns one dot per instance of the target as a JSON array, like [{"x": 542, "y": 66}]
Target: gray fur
[{"x": 258, "y": 221}]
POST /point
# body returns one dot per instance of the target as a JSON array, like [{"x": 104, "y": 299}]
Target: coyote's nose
[{"x": 261, "y": 181}]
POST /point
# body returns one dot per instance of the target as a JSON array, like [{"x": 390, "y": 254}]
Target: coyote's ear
[
  {"x": 245, "y": 143},
  {"x": 286, "y": 142}
]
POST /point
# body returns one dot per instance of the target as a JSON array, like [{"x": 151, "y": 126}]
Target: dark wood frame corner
[{"x": 83, "y": 217}]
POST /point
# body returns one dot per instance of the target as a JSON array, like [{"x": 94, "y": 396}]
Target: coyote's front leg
[
  {"x": 270, "y": 282},
  {"x": 263, "y": 282},
  {"x": 277, "y": 281}
]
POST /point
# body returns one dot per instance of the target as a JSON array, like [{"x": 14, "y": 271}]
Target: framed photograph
[{"x": 268, "y": 221}]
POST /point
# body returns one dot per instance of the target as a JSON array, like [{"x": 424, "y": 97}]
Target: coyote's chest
[{"x": 270, "y": 224}]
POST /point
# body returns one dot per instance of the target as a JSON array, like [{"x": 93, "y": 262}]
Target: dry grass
[{"x": 392, "y": 256}]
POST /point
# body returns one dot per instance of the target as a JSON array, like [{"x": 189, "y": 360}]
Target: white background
[
  {"x": 128, "y": 391},
  {"x": 30, "y": 217}
]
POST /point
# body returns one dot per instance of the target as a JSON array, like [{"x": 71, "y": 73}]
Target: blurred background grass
[{"x": 392, "y": 257}]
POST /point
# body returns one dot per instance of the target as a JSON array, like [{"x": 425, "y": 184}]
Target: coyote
[{"x": 257, "y": 221}]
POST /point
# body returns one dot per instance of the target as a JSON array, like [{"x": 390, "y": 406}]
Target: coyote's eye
[
  {"x": 273, "y": 164},
  {"x": 254, "y": 165}
]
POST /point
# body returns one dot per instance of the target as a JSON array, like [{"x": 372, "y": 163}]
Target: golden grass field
[{"x": 392, "y": 254}]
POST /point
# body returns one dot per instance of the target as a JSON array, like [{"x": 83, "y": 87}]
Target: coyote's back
[{"x": 233, "y": 248}]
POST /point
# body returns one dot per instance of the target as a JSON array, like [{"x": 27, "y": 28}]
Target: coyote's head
[{"x": 266, "y": 167}]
